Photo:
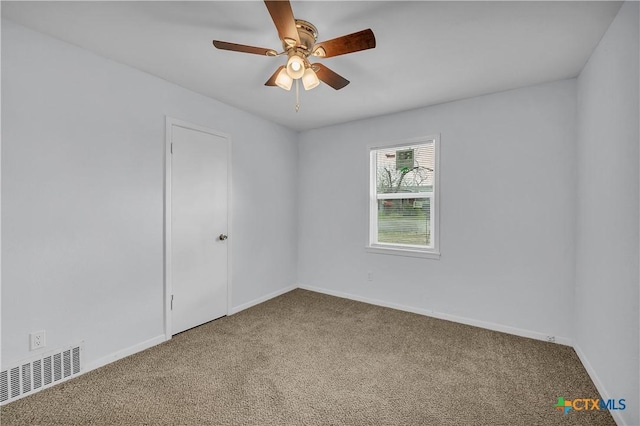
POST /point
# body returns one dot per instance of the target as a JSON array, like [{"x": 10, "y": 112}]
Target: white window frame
[{"x": 405, "y": 249}]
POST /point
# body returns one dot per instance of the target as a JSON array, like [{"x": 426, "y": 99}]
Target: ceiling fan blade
[
  {"x": 282, "y": 15},
  {"x": 330, "y": 77},
  {"x": 272, "y": 79},
  {"x": 224, "y": 45},
  {"x": 350, "y": 43}
]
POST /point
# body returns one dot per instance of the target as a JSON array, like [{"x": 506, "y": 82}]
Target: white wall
[
  {"x": 82, "y": 197},
  {"x": 606, "y": 296},
  {"x": 507, "y": 209}
]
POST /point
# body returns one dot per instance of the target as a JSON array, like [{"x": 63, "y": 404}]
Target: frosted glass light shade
[
  {"x": 295, "y": 67},
  {"x": 283, "y": 80},
  {"x": 309, "y": 79}
]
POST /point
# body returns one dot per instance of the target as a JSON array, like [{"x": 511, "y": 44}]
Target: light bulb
[
  {"x": 283, "y": 80},
  {"x": 310, "y": 79},
  {"x": 295, "y": 67}
]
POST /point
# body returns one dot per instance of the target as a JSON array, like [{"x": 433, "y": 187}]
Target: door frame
[{"x": 168, "y": 288}]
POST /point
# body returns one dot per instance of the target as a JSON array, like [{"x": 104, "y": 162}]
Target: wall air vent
[{"x": 41, "y": 372}]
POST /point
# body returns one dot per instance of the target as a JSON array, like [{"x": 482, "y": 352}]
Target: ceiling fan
[{"x": 299, "y": 41}]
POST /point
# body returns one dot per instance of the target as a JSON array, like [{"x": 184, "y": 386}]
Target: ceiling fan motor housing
[{"x": 308, "y": 34}]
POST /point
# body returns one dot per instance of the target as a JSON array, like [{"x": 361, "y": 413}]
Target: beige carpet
[{"x": 309, "y": 359}]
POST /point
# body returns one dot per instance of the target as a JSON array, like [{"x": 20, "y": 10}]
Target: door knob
[{"x": 222, "y": 237}]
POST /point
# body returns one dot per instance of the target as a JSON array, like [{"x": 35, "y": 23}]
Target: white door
[{"x": 199, "y": 190}]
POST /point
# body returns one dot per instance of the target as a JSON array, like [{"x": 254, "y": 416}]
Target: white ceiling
[{"x": 427, "y": 52}]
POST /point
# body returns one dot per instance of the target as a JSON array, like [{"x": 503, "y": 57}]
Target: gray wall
[
  {"x": 606, "y": 295},
  {"x": 82, "y": 197},
  {"x": 507, "y": 176}
]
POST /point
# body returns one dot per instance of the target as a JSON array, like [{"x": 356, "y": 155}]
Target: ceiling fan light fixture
[
  {"x": 295, "y": 67},
  {"x": 310, "y": 79},
  {"x": 299, "y": 42},
  {"x": 283, "y": 80}
]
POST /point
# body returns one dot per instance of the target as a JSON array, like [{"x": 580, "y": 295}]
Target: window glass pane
[
  {"x": 405, "y": 169},
  {"x": 405, "y": 221}
]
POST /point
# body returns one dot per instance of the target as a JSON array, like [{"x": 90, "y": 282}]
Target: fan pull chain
[{"x": 297, "y": 94}]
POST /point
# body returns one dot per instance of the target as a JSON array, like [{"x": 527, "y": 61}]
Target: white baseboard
[
  {"x": 262, "y": 299},
  {"x": 454, "y": 318},
  {"x": 123, "y": 353},
  {"x": 89, "y": 366},
  {"x": 162, "y": 338},
  {"x": 617, "y": 415}
]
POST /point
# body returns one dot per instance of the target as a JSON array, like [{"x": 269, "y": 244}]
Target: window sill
[{"x": 403, "y": 252}]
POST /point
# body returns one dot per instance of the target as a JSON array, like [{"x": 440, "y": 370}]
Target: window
[{"x": 403, "y": 216}]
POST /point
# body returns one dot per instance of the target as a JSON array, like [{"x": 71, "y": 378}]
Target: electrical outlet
[
  {"x": 37, "y": 340},
  {"x": 370, "y": 276},
  {"x": 551, "y": 339}
]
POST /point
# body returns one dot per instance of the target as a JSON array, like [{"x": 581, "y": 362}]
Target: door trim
[{"x": 170, "y": 122}]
